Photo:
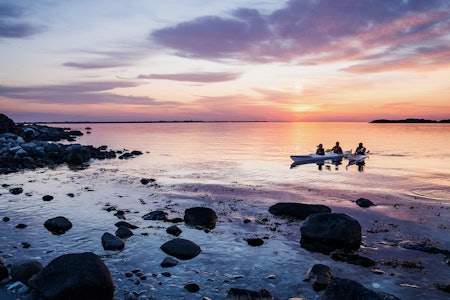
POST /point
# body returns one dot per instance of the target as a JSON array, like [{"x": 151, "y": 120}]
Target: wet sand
[{"x": 227, "y": 261}]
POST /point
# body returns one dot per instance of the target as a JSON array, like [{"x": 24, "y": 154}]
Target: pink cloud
[{"x": 312, "y": 31}]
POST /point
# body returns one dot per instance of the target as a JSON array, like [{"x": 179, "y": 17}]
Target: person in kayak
[
  {"x": 360, "y": 150},
  {"x": 337, "y": 148},
  {"x": 320, "y": 150}
]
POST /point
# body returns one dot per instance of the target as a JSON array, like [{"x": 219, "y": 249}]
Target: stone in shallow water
[
  {"x": 200, "y": 216},
  {"x": 181, "y": 248},
  {"x": 327, "y": 232},
  {"x": 363, "y": 202},
  {"x": 112, "y": 242},
  {"x": 75, "y": 276},
  {"x": 58, "y": 225},
  {"x": 298, "y": 210}
]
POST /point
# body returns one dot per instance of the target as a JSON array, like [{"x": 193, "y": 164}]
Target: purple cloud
[
  {"x": 10, "y": 25},
  {"x": 77, "y": 93},
  {"x": 311, "y": 31},
  {"x": 204, "y": 77}
]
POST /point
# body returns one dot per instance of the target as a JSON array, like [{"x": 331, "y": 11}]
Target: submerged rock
[
  {"x": 169, "y": 262},
  {"x": 200, "y": 216},
  {"x": 327, "y": 232},
  {"x": 319, "y": 276},
  {"x": 75, "y": 276},
  {"x": 340, "y": 289},
  {"x": 243, "y": 294},
  {"x": 298, "y": 210},
  {"x": 181, "y": 248},
  {"x": 157, "y": 215}
]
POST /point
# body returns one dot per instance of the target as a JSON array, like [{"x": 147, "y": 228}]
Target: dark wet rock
[
  {"x": 23, "y": 270},
  {"x": 6, "y": 219},
  {"x": 21, "y": 226},
  {"x": 319, "y": 276},
  {"x": 422, "y": 246},
  {"x": 243, "y": 294},
  {"x": 352, "y": 258},
  {"x": 340, "y": 289},
  {"x": 192, "y": 287},
  {"x": 443, "y": 287},
  {"x": 3, "y": 272},
  {"x": 157, "y": 215},
  {"x": 174, "y": 230},
  {"x": 75, "y": 276},
  {"x": 124, "y": 232},
  {"x": 181, "y": 248},
  {"x": 255, "y": 242},
  {"x": 126, "y": 224},
  {"x": 145, "y": 181},
  {"x": 26, "y": 245},
  {"x": 298, "y": 210},
  {"x": 47, "y": 198},
  {"x": 36, "y": 146},
  {"x": 16, "y": 191},
  {"x": 58, "y": 225},
  {"x": 71, "y": 195},
  {"x": 363, "y": 202},
  {"x": 169, "y": 262},
  {"x": 8, "y": 125},
  {"x": 112, "y": 242},
  {"x": 120, "y": 214},
  {"x": 200, "y": 216},
  {"x": 327, "y": 232}
]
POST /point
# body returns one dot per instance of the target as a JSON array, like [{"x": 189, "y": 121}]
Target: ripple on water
[{"x": 432, "y": 193}]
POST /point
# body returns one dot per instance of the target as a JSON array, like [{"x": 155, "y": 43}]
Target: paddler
[
  {"x": 360, "y": 150},
  {"x": 320, "y": 150}
]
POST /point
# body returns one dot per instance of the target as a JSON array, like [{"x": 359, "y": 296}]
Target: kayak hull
[{"x": 316, "y": 158}]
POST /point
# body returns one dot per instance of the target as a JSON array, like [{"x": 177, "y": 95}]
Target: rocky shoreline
[
  {"x": 334, "y": 236},
  {"x": 32, "y": 146}
]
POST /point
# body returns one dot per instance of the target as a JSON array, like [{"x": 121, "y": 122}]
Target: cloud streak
[
  {"x": 312, "y": 32},
  {"x": 202, "y": 77},
  {"x": 77, "y": 93}
]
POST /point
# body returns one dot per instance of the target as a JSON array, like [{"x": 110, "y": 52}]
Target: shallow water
[{"x": 240, "y": 169}]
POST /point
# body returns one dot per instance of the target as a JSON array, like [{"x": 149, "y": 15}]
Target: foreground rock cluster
[{"x": 35, "y": 146}]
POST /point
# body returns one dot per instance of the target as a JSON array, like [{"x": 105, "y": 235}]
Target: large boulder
[
  {"x": 23, "y": 270},
  {"x": 8, "y": 125},
  {"x": 58, "y": 225},
  {"x": 298, "y": 210},
  {"x": 75, "y": 276},
  {"x": 327, "y": 232},
  {"x": 200, "y": 216},
  {"x": 348, "y": 289},
  {"x": 181, "y": 248}
]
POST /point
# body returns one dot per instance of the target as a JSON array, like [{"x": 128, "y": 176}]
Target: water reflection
[{"x": 321, "y": 165}]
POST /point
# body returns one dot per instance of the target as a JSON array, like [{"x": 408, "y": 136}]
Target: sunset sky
[{"x": 268, "y": 60}]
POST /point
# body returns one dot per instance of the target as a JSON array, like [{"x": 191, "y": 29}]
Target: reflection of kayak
[
  {"x": 356, "y": 157},
  {"x": 317, "y": 158}
]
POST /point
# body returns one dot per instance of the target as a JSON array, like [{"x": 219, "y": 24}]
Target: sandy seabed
[{"x": 227, "y": 261}]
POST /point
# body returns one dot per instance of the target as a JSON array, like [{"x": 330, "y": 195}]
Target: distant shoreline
[
  {"x": 409, "y": 121},
  {"x": 138, "y": 122}
]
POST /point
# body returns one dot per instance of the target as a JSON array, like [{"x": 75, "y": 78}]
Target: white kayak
[
  {"x": 357, "y": 157},
  {"x": 318, "y": 158}
]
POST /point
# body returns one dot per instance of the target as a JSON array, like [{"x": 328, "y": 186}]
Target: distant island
[{"x": 409, "y": 121}]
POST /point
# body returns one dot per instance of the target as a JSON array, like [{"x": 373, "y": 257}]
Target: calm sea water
[
  {"x": 404, "y": 158},
  {"x": 240, "y": 169}
]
